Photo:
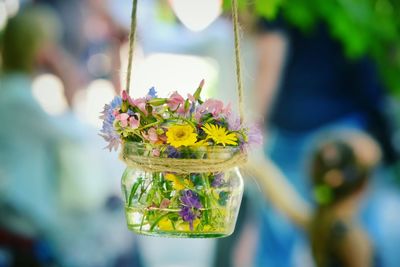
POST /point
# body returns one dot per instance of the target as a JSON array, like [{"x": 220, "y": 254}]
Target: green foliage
[{"x": 364, "y": 27}]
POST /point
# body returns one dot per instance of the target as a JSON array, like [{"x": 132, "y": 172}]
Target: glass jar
[{"x": 181, "y": 204}]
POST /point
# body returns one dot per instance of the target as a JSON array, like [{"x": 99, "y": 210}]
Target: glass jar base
[{"x": 178, "y": 234}]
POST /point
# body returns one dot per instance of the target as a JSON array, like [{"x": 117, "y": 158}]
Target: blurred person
[
  {"x": 341, "y": 167},
  {"x": 55, "y": 204},
  {"x": 91, "y": 39},
  {"x": 304, "y": 85},
  {"x": 27, "y": 158}
]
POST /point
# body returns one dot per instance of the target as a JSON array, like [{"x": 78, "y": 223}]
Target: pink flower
[
  {"x": 227, "y": 111},
  {"x": 175, "y": 101},
  {"x": 125, "y": 95},
  {"x": 115, "y": 112},
  {"x": 197, "y": 115},
  {"x": 151, "y": 135},
  {"x": 134, "y": 121},
  {"x": 213, "y": 106},
  {"x": 140, "y": 103},
  {"x": 165, "y": 203},
  {"x": 156, "y": 152},
  {"x": 123, "y": 118},
  {"x": 191, "y": 98}
]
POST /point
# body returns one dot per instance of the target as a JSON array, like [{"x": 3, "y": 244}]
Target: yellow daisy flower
[
  {"x": 177, "y": 183},
  {"x": 165, "y": 225},
  {"x": 219, "y": 134},
  {"x": 181, "y": 135},
  {"x": 201, "y": 143}
]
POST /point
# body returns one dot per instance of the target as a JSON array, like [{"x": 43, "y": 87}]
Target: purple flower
[
  {"x": 218, "y": 180},
  {"x": 190, "y": 207},
  {"x": 190, "y": 199},
  {"x": 173, "y": 152},
  {"x": 233, "y": 122},
  {"x": 108, "y": 132},
  {"x": 152, "y": 93},
  {"x": 255, "y": 136}
]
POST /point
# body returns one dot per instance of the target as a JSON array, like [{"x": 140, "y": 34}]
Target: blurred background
[{"x": 309, "y": 67}]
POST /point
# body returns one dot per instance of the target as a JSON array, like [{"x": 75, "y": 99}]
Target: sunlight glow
[
  {"x": 89, "y": 103},
  {"x": 12, "y": 7},
  {"x": 197, "y": 15},
  {"x": 48, "y": 90},
  {"x": 3, "y": 15},
  {"x": 173, "y": 72}
]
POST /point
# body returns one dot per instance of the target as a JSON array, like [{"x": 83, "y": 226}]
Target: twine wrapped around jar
[{"x": 215, "y": 163}]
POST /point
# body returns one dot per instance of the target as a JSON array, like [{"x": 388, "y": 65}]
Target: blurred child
[{"x": 340, "y": 170}]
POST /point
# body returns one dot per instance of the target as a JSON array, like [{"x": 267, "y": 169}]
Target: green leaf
[
  {"x": 197, "y": 94},
  {"x": 154, "y": 224},
  {"x": 157, "y": 101},
  {"x": 133, "y": 190},
  {"x": 268, "y": 9}
]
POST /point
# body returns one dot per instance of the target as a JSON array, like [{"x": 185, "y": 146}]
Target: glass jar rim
[{"x": 216, "y": 149}]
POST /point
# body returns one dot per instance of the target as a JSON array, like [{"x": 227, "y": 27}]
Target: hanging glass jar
[{"x": 186, "y": 192}]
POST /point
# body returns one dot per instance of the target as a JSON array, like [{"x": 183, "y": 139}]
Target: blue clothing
[
  {"x": 320, "y": 85},
  {"x": 281, "y": 244}
]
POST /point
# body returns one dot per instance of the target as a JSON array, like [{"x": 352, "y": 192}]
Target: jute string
[
  {"x": 235, "y": 20},
  {"x": 132, "y": 40},
  {"x": 186, "y": 165},
  {"x": 239, "y": 81}
]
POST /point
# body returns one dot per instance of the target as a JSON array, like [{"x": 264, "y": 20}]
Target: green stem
[
  {"x": 133, "y": 191},
  {"x": 141, "y": 223},
  {"x": 158, "y": 220},
  {"x": 149, "y": 125},
  {"x": 143, "y": 190},
  {"x": 206, "y": 198}
]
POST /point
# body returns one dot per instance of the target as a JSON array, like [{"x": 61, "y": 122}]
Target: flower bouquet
[{"x": 182, "y": 155}]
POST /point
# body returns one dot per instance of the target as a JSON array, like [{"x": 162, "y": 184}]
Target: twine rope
[
  {"x": 235, "y": 20},
  {"x": 183, "y": 166},
  {"x": 132, "y": 41},
  {"x": 239, "y": 81}
]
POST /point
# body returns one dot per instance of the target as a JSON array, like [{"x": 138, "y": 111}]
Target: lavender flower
[
  {"x": 190, "y": 207},
  {"x": 218, "y": 180},
  {"x": 108, "y": 132},
  {"x": 173, "y": 152},
  {"x": 254, "y": 135},
  {"x": 233, "y": 122},
  {"x": 152, "y": 92}
]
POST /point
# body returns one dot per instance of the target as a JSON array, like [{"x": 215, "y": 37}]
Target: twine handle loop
[{"x": 132, "y": 39}]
